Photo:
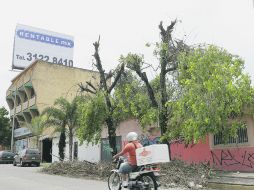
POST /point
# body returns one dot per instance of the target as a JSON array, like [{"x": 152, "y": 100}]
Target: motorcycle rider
[{"x": 129, "y": 149}]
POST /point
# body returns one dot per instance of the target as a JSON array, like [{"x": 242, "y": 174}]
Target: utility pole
[{"x": 13, "y": 122}]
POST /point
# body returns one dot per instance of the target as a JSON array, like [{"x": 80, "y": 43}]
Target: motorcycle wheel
[
  {"x": 150, "y": 179},
  {"x": 114, "y": 181}
]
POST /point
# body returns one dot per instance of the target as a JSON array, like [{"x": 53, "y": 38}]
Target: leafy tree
[
  {"x": 37, "y": 126},
  {"x": 5, "y": 129},
  {"x": 215, "y": 94},
  {"x": 131, "y": 100},
  {"x": 93, "y": 114},
  {"x": 167, "y": 52},
  {"x": 102, "y": 92},
  {"x": 64, "y": 117}
]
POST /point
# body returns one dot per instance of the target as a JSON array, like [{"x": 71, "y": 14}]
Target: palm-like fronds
[{"x": 64, "y": 118}]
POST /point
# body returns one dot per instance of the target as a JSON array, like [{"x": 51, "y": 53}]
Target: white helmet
[{"x": 132, "y": 136}]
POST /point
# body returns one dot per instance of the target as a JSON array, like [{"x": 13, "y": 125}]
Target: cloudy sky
[{"x": 127, "y": 25}]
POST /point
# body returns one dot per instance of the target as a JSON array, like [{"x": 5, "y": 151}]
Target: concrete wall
[
  {"x": 91, "y": 152},
  {"x": 86, "y": 152},
  {"x": 124, "y": 128},
  {"x": 231, "y": 157},
  {"x": 52, "y": 81}
]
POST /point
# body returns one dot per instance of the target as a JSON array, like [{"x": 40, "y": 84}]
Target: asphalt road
[{"x": 28, "y": 178}]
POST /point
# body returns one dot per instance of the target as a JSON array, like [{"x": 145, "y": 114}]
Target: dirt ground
[{"x": 175, "y": 174}]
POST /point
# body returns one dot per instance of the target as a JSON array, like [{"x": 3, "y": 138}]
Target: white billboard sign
[{"x": 32, "y": 44}]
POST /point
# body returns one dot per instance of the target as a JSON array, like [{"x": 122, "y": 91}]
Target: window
[
  {"x": 242, "y": 137},
  {"x": 18, "y": 100},
  {"x": 32, "y": 151},
  {"x": 25, "y": 97},
  {"x": 32, "y": 93}
]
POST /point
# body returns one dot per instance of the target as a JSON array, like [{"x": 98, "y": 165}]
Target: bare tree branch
[
  {"x": 119, "y": 73},
  {"x": 103, "y": 82},
  {"x": 150, "y": 65},
  {"x": 91, "y": 85},
  {"x": 110, "y": 74},
  {"x": 85, "y": 89},
  {"x": 171, "y": 69}
]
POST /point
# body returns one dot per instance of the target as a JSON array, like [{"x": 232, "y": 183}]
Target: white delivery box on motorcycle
[{"x": 157, "y": 153}]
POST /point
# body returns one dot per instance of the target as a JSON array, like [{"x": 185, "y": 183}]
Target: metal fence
[{"x": 242, "y": 137}]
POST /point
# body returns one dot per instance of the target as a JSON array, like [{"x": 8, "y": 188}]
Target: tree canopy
[
  {"x": 5, "y": 129},
  {"x": 102, "y": 93},
  {"x": 196, "y": 91},
  {"x": 64, "y": 117},
  {"x": 214, "y": 92},
  {"x": 92, "y": 116}
]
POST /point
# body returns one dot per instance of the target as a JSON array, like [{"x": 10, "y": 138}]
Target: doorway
[
  {"x": 76, "y": 150},
  {"x": 47, "y": 150}
]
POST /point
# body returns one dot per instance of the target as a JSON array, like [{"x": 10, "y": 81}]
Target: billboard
[{"x": 32, "y": 44}]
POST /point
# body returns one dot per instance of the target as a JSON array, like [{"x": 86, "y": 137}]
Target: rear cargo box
[{"x": 152, "y": 154}]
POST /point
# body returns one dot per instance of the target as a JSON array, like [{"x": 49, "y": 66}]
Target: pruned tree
[
  {"x": 167, "y": 51},
  {"x": 105, "y": 88}
]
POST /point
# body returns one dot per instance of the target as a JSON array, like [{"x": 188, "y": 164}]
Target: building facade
[
  {"x": 101, "y": 151},
  {"x": 236, "y": 155},
  {"x": 34, "y": 89}
]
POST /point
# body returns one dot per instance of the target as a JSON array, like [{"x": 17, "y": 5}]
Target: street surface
[{"x": 28, "y": 178}]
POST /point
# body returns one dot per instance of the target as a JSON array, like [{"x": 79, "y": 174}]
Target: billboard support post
[{"x": 13, "y": 122}]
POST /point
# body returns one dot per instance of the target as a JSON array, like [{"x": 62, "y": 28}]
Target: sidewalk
[{"x": 232, "y": 180}]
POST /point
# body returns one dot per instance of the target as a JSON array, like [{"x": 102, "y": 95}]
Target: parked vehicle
[
  {"x": 27, "y": 157},
  {"x": 142, "y": 178},
  {"x": 6, "y": 157}
]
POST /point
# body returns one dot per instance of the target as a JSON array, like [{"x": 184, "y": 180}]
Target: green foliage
[
  {"x": 92, "y": 116},
  {"x": 63, "y": 115},
  {"x": 5, "y": 129},
  {"x": 134, "y": 62},
  {"x": 131, "y": 101},
  {"x": 64, "y": 118},
  {"x": 215, "y": 91},
  {"x": 37, "y": 125}
]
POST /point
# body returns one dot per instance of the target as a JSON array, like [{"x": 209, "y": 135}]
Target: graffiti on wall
[
  {"x": 152, "y": 137},
  {"x": 149, "y": 140},
  {"x": 229, "y": 158}
]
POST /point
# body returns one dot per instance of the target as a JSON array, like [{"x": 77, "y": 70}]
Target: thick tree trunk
[
  {"x": 70, "y": 144},
  {"x": 111, "y": 135},
  {"x": 163, "y": 116},
  {"x": 165, "y": 62},
  {"x": 107, "y": 90},
  {"x": 61, "y": 145},
  {"x": 149, "y": 88}
]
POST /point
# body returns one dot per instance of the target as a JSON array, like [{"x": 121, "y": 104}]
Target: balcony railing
[
  {"x": 18, "y": 109},
  {"x": 32, "y": 101},
  {"x": 25, "y": 105}
]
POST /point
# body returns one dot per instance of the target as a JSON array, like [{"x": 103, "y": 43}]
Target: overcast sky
[{"x": 127, "y": 25}]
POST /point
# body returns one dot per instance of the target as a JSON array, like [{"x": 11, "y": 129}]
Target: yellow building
[{"x": 36, "y": 88}]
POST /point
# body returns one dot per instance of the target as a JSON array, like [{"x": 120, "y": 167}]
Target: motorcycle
[{"x": 141, "y": 178}]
